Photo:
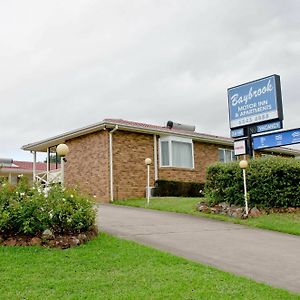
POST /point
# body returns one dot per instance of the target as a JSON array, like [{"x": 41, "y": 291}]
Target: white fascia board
[{"x": 62, "y": 138}]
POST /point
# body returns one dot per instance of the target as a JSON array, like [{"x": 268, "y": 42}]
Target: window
[
  {"x": 176, "y": 152},
  {"x": 226, "y": 155}
]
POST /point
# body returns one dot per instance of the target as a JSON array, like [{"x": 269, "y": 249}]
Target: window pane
[
  {"x": 165, "y": 160},
  {"x": 221, "y": 155},
  {"x": 233, "y": 157},
  {"x": 227, "y": 155},
  {"x": 182, "y": 155}
]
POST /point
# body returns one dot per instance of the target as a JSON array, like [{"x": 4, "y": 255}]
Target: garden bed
[
  {"x": 62, "y": 241},
  {"x": 237, "y": 211}
]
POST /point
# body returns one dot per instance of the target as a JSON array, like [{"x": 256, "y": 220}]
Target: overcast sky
[{"x": 67, "y": 64}]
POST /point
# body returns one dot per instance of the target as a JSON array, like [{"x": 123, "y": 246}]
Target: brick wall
[
  {"x": 87, "y": 165},
  {"x": 130, "y": 150}
]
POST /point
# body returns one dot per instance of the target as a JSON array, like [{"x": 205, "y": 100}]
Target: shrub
[
  {"x": 271, "y": 182},
  {"x": 178, "y": 188},
  {"x": 25, "y": 210}
]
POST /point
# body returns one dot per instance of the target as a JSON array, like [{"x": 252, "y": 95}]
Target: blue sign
[
  {"x": 235, "y": 133},
  {"x": 269, "y": 127},
  {"x": 282, "y": 138},
  {"x": 255, "y": 102}
]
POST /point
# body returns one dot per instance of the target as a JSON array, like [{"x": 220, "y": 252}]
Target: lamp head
[
  {"x": 243, "y": 164},
  {"x": 148, "y": 161},
  {"x": 62, "y": 150}
]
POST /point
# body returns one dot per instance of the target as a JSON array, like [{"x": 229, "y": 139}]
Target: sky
[{"x": 68, "y": 64}]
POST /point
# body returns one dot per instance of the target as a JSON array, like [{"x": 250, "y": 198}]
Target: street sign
[
  {"x": 241, "y": 132},
  {"x": 283, "y": 138},
  {"x": 240, "y": 147},
  {"x": 269, "y": 127},
  {"x": 235, "y": 133},
  {"x": 255, "y": 102}
]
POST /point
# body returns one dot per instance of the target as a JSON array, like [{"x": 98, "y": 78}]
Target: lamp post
[
  {"x": 148, "y": 162},
  {"x": 62, "y": 150},
  {"x": 244, "y": 165}
]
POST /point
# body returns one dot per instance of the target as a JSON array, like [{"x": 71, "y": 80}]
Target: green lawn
[
  {"x": 110, "y": 268},
  {"x": 284, "y": 222}
]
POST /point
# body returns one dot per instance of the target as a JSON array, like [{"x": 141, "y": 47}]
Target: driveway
[{"x": 265, "y": 256}]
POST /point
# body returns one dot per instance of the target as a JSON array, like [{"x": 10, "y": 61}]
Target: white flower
[
  {"x": 72, "y": 196},
  {"x": 22, "y": 194}
]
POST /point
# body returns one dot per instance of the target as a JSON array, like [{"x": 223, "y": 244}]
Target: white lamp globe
[
  {"x": 62, "y": 150},
  {"x": 148, "y": 161},
  {"x": 243, "y": 164}
]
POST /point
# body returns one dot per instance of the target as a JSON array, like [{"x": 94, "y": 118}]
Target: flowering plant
[{"x": 31, "y": 210}]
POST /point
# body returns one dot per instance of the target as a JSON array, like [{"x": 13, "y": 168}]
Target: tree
[{"x": 53, "y": 158}]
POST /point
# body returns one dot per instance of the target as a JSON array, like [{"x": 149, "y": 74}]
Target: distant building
[
  {"x": 106, "y": 159},
  {"x": 10, "y": 169}
]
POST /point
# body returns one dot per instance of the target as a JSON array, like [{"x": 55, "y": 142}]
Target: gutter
[{"x": 111, "y": 175}]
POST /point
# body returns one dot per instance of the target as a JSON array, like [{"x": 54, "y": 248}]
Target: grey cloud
[{"x": 67, "y": 64}]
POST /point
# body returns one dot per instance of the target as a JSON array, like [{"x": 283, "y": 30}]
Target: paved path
[{"x": 266, "y": 256}]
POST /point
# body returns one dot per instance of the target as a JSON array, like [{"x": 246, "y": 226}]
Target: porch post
[
  {"x": 34, "y": 167},
  {"x": 47, "y": 161}
]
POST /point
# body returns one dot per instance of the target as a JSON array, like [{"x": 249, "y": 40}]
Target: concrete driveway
[{"x": 265, "y": 256}]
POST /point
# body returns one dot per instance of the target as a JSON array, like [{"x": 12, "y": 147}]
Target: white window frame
[
  {"x": 233, "y": 158},
  {"x": 171, "y": 139}
]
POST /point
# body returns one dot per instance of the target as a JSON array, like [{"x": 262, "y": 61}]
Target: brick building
[{"x": 106, "y": 159}]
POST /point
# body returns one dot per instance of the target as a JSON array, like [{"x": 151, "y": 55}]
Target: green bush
[
  {"x": 271, "y": 182},
  {"x": 178, "y": 188},
  {"x": 26, "y": 210}
]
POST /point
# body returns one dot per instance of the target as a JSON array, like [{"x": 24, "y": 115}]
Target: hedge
[
  {"x": 271, "y": 182},
  {"x": 31, "y": 210},
  {"x": 178, "y": 189}
]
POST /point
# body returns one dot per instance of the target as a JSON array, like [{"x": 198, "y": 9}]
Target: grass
[
  {"x": 111, "y": 268},
  {"x": 283, "y": 222}
]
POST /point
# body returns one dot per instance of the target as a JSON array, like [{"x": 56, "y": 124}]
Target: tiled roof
[
  {"x": 162, "y": 128},
  {"x": 139, "y": 127},
  {"x": 27, "y": 165}
]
